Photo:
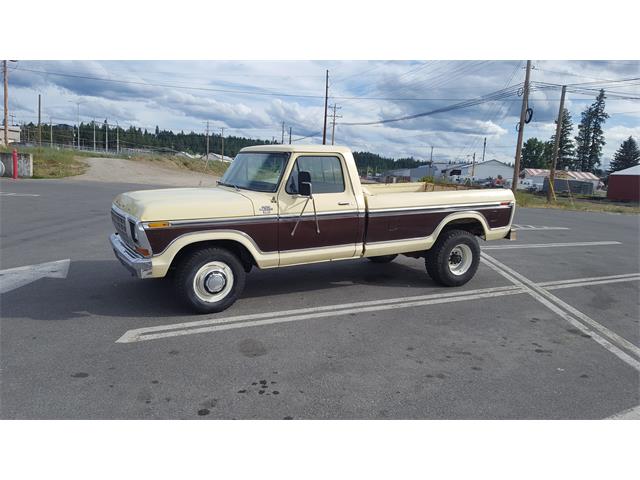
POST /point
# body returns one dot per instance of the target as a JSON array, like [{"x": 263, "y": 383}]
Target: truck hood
[{"x": 184, "y": 204}]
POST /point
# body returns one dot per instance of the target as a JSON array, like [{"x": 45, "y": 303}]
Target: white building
[
  {"x": 13, "y": 134},
  {"x": 481, "y": 171}
]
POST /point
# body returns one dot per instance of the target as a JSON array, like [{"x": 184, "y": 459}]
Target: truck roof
[{"x": 298, "y": 148}]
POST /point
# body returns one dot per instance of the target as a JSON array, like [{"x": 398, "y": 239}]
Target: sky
[{"x": 253, "y": 98}]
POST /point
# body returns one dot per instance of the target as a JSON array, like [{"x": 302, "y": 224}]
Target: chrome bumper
[{"x": 132, "y": 261}]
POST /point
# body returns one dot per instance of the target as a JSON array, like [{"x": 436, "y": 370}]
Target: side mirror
[{"x": 304, "y": 184}]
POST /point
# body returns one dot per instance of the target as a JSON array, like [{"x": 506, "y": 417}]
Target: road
[{"x": 364, "y": 341}]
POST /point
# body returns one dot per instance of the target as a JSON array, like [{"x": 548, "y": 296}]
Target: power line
[{"x": 494, "y": 96}]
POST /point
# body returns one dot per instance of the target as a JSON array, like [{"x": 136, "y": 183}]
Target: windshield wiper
[{"x": 229, "y": 185}]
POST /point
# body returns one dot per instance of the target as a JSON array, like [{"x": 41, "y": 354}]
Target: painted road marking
[
  {"x": 515, "y": 226},
  {"x": 10, "y": 194},
  {"x": 559, "y": 285},
  {"x": 250, "y": 320},
  {"x": 13, "y": 278},
  {"x": 630, "y": 414},
  {"x": 615, "y": 343},
  {"x": 547, "y": 245}
]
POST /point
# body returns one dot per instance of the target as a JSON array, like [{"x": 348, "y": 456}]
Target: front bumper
[{"x": 134, "y": 262}]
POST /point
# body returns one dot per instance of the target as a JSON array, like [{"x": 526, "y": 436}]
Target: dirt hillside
[{"x": 114, "y": 170}]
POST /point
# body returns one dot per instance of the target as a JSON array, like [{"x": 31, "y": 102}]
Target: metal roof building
[{"x": 625, "y": 185}]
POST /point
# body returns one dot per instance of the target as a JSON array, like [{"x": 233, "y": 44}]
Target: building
[
  {"x": 489, "y": 169},
  {"x": 625, "y": 185},
  {"x": 409, "y": 174},
  {"x": 536, "y": 176},
  {"x": 13, "y": 134}
]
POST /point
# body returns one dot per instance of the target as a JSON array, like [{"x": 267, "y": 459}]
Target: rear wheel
[
  {"x": 210, "y": 280},
  {"x": 454, "y": 258},
  {"x": 382, "y": 258}
]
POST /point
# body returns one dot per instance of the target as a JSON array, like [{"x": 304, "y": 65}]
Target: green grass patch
[
  {"x": 531, "y": 200},
  {"x": 53, "y": 163}
]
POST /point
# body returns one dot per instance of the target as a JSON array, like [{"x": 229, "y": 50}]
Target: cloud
[{"x": 183, "y": 95}]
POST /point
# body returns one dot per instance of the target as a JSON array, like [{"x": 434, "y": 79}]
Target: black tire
[
  {"x": 437, "y": 259},
  {"x": 215, "y": 268},
  {"x": 382, "y": 259}
]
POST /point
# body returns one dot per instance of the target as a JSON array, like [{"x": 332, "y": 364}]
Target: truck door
[{"x": 332, "y": 233}]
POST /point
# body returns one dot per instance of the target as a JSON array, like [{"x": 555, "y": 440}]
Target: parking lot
[{"x": 548, "y": 328}]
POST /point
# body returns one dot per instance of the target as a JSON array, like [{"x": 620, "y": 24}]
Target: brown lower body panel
[{"x": 272, "y": 235}]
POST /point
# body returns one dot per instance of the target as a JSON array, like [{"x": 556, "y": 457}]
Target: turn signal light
[
  {"x": 143, "y": 251},
  {"x": 158, "y": 224}
]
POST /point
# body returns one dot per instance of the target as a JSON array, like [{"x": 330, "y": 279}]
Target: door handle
[{"x": 342, "y": 204}]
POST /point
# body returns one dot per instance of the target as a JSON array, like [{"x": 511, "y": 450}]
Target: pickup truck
[{"x": 282, "y": 205}]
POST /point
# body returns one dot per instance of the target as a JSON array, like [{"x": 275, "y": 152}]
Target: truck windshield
[{"x": 259, "y": 171}]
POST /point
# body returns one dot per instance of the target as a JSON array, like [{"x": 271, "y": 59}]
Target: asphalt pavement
[{"x": 548, "y": 328}]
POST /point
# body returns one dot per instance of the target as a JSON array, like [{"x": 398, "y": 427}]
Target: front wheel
[
  {"x": 210, "y": 280},
  {"x": 453, "y": 260}
]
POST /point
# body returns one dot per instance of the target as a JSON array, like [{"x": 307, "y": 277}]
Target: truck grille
[{"x": 121, "y": 225}]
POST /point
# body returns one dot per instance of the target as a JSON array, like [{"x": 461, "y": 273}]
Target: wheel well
[
  {"x": 234, "y": 247},
  {"x": 470, "y": 225}
]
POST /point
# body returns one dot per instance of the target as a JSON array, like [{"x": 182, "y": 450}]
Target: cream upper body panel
[
  {"x": 383, "y": 197},
  {"x": 185, "y": 204}
]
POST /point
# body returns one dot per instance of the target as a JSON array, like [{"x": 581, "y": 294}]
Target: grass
[
  {"x": 53, "y": 163},
  {"x": 526, "y": 199}
]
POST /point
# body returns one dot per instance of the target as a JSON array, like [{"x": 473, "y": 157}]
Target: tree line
[{"x": 584, "y": 151}]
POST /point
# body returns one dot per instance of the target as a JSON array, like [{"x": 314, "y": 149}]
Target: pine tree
[
  {"x": 628, "y": 155},
  {"x": 566, "y": 147},
  {"x": 590, "y": 139}
]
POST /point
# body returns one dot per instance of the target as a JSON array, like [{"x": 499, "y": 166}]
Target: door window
[{"x": 326, "y": 174}]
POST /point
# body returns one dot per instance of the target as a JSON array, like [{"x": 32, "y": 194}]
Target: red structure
[
  {"x": 624, "y": 185},
  {"x": 15, "y": 164}
]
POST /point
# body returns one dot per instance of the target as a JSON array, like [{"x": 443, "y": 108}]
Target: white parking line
[
  {"x": 630, "y": 414},
  {"x": 251, "y": 320},
  {"x": 267, "y": 318},
  {"x": 11, "y": 194},
  {"x": 515, "y": 226},
  {"x": 615, "y": 343},
  {"x": 547, "y": 245},
  {"x": 590, "y": 279}
]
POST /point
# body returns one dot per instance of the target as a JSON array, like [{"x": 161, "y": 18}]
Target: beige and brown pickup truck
[{"x": 282, "y": 205}]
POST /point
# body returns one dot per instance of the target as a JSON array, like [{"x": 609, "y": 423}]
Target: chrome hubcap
[
  {"x": 213, "y": 281},
  {"x": 460, "y": 259}
]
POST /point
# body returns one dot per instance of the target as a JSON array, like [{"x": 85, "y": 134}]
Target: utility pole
[
  {"x": 207, "y": 140},
  {"x": 484, "y": 148},
  {"x": 39, "y": 121},
  {"x": 282, "y": 141},
  {"x": 431, "y": 156},
  {"x": 6, "y": 103},
  {"x": 50, "y": 133},
  {"x": 222, "y": 143},
  {"x": 333, "y": 122},
  {"x": 289, "y": 135},
  {"x": 326, "y": 99},
  {"x": 473, "y": 166},
  {"x": 94, "y": 134},
  {"x": 117, "y": 138},
  {"x": 523, "y": 114},
  {"x": 556, "y": 146},
  {"x": 106, "y": 136}
]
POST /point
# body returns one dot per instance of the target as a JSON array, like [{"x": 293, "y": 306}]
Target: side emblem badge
[{"x": 266, "y": 209}]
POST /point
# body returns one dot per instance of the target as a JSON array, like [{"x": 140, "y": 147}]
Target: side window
[{"x": 326, "y": 174}]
